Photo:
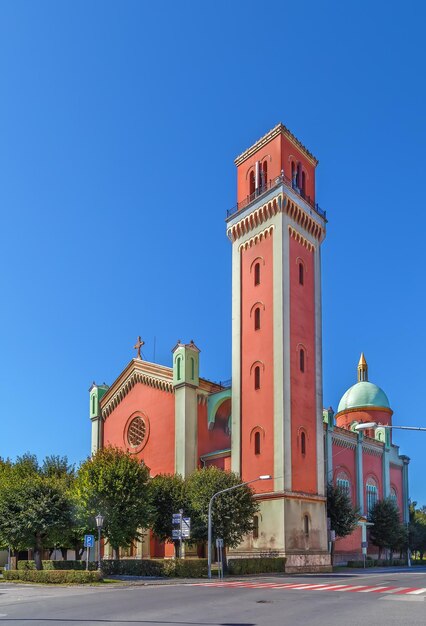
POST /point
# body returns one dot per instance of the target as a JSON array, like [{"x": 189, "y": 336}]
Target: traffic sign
[
  {"x": 186, "y": 527},
  {"x": 219, "y": 542},
  {"x": 176, "y": 533},
  {"x": 89, "y": 541},
  {"x": 176, "y": 517}
]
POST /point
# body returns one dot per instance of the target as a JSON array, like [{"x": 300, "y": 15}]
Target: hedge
[
  {"x": 159, "y": 568},
  {"x": 52, "y": 576},
  {"x": 256, "y": 565},
  {"x": 378, "y": 563},
  {"x": 58, "y": 565},
  {"x": 182, "y": 568}
]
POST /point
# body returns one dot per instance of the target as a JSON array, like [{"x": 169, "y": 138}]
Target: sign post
[
  {"x": 219, "y": 547},
  {"x": 89, "y": 542},
  {"x": 184, "y": 530}
]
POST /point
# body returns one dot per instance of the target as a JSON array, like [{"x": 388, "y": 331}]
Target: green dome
[{"x": 363, "y": 394}]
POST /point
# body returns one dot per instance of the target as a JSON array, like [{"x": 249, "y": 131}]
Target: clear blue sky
[{"x": 119, "y": 123}]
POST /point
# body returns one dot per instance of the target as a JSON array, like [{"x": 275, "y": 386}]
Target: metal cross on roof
[{"x": 138, "y": 345}]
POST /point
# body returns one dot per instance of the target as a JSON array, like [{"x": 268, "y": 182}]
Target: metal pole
[
  {"x": 99, "y": 548},
  {"x": 180, "y": 538}
]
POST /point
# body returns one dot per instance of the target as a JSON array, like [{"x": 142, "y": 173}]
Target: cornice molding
[
  {"x": 257, "y": 238},
  {"x": 343, "y": 442},
  {"x": 300, "y": 238},
  {"x": 279, "y": 129},
  {"x": 373, "y": 450},
  {"x": 280, "y": 204}
]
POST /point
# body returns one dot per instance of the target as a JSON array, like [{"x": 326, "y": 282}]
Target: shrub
[
  {"x": 53, "y": 576},
  {"x": 256, "y": 565},
  {"x": 184, "y": 568},
  {"x": 58, "y": 565},
  {"x": 378, "y": 563}
]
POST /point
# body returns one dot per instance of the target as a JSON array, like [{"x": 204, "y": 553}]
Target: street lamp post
[
  {"x": 99, "y": 524},
  {"x": 209, "y": 525}
]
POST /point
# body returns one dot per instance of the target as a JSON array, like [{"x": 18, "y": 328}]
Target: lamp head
[
  {"x": 265, "y": 477},
  {"x": 99, "y": 520},
  {"x": 365, "y": 426}
]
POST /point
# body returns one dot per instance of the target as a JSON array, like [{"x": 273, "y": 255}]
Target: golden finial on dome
[{"x": 362, "y": 369}]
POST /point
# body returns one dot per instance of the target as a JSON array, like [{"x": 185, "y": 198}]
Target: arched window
[
  {"x": 293, "y": 175},
  {"x": 257, "y": 274},
  {"x": 302, "y": 360},
  {"x": 178, "y": 367},
  {"x": 252, "y": 183},
  {"x": 303, "y": 190},
  {"x": 299, "y": 176},
  {"x": 342, "y": 482},
  {"x": 256, "y": 527},
  {"x": 306, "y": 525},
  {"x": 257, "y": 442},
  {"x": 265, "y": 174},
  {"x": 372, "y": 495},
  {"x": 257, "y": 318},
  {"x": 303, "y": 443},
  {"x": 301, "y": 273},
  {"x": 393, "y": 496},
  {"x": 257, "y": 377}
]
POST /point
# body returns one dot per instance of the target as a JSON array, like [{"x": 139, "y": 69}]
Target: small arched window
[
  {"x": 257, "y": 377},
  {"x": 252, "y": 183},
  {"x": 306, "y": 525},
  {"x": 299, "y": 176},
  {"x": 178, "y": 367},
  {"x": 256, "y": 527},
  {"x": 257, "y": 442},
  {"x": 257, "y": 318},
  {"x": 301, "y": 274},
  {"x": 372, "y": 495},
  {"x": 303, "y": 443},
  {"x": 257, "y": 274},
  {"x": 265, "y": 174},
  {"x": 303, "y": 184},
  {"x": 293, "y": 174},
  {"x": 302, "y": 360},
  {"x": 393, "y": 496}
]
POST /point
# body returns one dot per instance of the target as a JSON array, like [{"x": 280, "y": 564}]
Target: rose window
[{"x": 136, "y": 432}]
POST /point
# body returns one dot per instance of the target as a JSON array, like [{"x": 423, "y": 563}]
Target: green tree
[
  {"x": 33, "y": 510},
  {"x": 417, "y": 529},
  {"x": 232, "y": 512},
  {"x": 386, "y": 530},
  {"x": 168, "y": 496},
  {"x": 115, "y": 484},
  {"x": 343, "y": 516}
]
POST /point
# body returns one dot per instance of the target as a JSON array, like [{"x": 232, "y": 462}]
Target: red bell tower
[{"x": 276, "y": 231}]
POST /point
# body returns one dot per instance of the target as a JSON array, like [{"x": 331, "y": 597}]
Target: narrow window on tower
[
  {"x": 178, "y": 367},
  {"x": 302, "y": 360},
  {"x": 257, "y": 274},
  {"x": 293, "y": 175},
  {"x": 265, "y": 174},
  {"x": 192, "y": 368},
  {"x": 306, "y": 525},
  {"x": 303, "y": 184},
  {"x": 301, "y": 274},
  {"x": 303, "y": 443},
  {"x": 256, "y": 527},
  {"x": 257, "y": 443},
  {"x": 257, "y": 377},
  {"x": 252, "y": 183},
  {"x": 257, "y": 318},
  {"x": 93, "y": 404}
]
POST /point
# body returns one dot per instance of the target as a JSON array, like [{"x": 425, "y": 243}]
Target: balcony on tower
[{"x": 277, "y": 159}]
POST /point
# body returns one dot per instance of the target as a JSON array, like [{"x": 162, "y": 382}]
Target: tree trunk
[
  {"x": 64, "y": 552},
  {"x": 116, "y": 553},
  {"x": 38, "y": 547}
]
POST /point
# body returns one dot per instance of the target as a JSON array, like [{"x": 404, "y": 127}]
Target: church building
[{"x": 269, "y": 419}]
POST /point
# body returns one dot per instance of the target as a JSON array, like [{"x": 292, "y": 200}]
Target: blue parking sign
[{"x": 89, "y": 541}]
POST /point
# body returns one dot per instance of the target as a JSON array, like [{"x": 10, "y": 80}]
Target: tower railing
[{"x": 276, "y": 182}]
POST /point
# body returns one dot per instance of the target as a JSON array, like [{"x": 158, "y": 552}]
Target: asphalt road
[{"x": 385, "y": 598}]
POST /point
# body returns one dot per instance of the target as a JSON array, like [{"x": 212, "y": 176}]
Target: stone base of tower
[{"x": 292, "y": 526}]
